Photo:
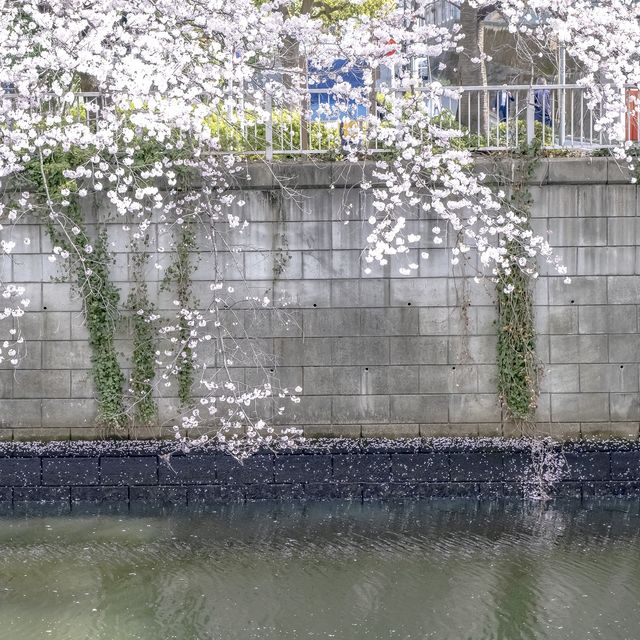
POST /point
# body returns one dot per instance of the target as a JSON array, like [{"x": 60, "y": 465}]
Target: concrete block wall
[
  {"x": 589, "y": 210},
  {"x": 377, "y": 353}
]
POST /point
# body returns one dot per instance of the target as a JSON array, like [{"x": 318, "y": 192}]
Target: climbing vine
[
  {"x": 179, "y": 274},
  {"x": 101, "y": 313},
  {"x": 87, "y": 263},
  {"x": 518, "y": 365},
  {"x": 144, "y": 343}
]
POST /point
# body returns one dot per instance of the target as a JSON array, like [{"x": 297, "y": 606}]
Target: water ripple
[{"x": 450, "y": 570}]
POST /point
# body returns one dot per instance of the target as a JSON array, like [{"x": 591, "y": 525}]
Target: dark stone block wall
[{"x": 138, "y": 475}]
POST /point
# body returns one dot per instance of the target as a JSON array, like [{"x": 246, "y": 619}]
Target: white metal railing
[
  {"x": 503, "y": 117},
  {"x": 487, "y": 118},
  {"x": 559, "y": 116}
]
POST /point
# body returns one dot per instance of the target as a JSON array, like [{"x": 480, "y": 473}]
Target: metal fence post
[
  {"x": 531, "y": 130},
  {"x": 268, "y": 129},
  {"x": 562, "y": 72},
  {"x": 562, "y": 107}
]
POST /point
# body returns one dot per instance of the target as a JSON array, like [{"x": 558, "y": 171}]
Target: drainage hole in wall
[
  {"x": 314, "y": 304},
  {"x": 572, "y": 301}
]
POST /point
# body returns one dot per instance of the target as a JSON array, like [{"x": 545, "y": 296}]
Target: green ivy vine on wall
[
  {"x": 179, "y": 274},
  {"x": 518, "y": 365},
  {"x": 88, "y": 263},
  {"x": 143, "y": 357},
  {"x": 86, "y": 257}
]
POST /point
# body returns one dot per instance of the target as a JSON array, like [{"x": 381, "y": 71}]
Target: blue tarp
[
  {"x": 339, "y": 110},
  {"x": 325, "y": 79},
  {"x": 353, "y": 75}
]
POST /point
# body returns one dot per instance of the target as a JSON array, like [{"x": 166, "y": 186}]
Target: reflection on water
[{"x": 442, "y": 569}]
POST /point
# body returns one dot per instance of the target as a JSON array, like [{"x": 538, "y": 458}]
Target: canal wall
[
  {"x": 376, "y": 353},
  {"x": 142, "y": 476}
]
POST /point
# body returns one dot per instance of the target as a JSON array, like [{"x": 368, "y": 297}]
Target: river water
[{"x": 444, "y": 569}]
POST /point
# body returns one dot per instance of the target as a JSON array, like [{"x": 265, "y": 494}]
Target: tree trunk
[
  {"x": 305, "y": 105},
  {"x": 484, "y": 97},
  {"x": 89, "y": 84},
  {"x": 474, "y": 106},
  {"x": 295, "y": 60}
]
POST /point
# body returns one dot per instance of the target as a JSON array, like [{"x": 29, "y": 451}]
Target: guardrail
[
  {"x": 487, "y": 118},
  {"x": 560, "y": 116},
  {"x": 497, "y": 117}
]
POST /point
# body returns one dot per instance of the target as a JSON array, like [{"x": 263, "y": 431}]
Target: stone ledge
[
  {"x": 316, "y": 174},
  {"x": 130, "y": 449},
  {"x": 564, "y": 431}
]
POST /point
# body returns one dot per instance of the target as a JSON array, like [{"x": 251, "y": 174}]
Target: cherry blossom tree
[{"x": 175, "y": 95}]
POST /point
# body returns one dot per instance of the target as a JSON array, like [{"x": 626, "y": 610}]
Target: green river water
[{"x": 462, "y": 570}]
